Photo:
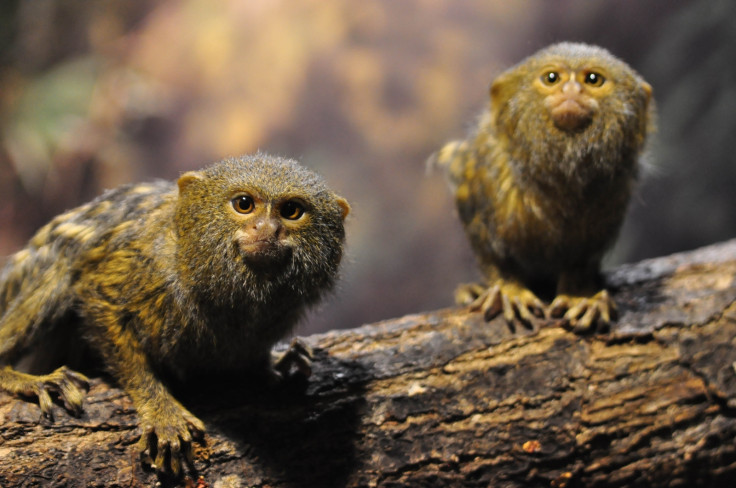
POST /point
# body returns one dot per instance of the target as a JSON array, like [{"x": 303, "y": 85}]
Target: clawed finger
[
  {"x": 537, "y": 307},
  {"x": 468, "y": 293},
  {"x": 576, "y": 311},
  {"x": 490, "y": 303},
  {"x": 72, "y": 397},
  {"x": 78, "y": 379},
  {"x": 189, "y": 453},
  {"x": 606, "y": 315},
  {"x": 44, "y": 401},
  {"x": 161, "y": 452},
  {"x": 522, "y": 310},
  {"x": 298, "y": 358},
  {"x": 557, "y": 309},
  {"x": 145, "y": 446},
  {"x": 585, "y": 323},
  {"x": 175, "y": 457}
]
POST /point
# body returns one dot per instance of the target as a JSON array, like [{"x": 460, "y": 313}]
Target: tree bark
[{"x": 445, "y": 399}]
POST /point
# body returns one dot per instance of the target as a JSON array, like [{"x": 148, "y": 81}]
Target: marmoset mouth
[
  {"x": 571, "y": 115},
  {"x": 262, "y": 250},
  {"x": 257, "y": 247}
]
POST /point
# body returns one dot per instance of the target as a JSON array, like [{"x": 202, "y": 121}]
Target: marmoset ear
[
  {"x": 647, "y": 90},
  {"x": 501, "y": 89},
  {"x": 344, "y": 205},
  {"x": 187, "y": 179}
]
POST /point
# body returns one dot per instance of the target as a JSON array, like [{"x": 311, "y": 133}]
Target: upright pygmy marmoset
[
  {"x": 543, "y": 182},
  {"x": 174, "y": 280}
]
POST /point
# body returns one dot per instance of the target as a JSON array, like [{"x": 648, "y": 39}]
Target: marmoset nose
[
  {"x": 572, "y": 87},
  {"x": 265, "y": 226}
]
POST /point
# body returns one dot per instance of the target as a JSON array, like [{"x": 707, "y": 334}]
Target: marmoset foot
[
  {"x": 510, "y": 299},
  {"x": 68, "y": 385},
  {"x": 584, "y": 314}
]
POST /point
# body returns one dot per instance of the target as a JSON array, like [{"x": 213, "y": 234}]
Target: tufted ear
[
  {"x": 647, "y": 90},
  {"x": 501, "y": 90},
  {"x": 187, "y": 179},
  {"x": 344, "y": 205}
]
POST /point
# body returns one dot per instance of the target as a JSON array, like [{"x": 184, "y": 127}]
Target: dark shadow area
[{"x": 297, "y": 433}]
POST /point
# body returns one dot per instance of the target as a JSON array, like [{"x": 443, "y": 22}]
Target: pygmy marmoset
[
  {"x": 174, "y": 280},
  {"x": 543, "y": 182}
]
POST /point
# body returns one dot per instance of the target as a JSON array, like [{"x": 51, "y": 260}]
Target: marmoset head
[
  {"x": 261, "y": 218},
  {"x": 575, "y": 104}
]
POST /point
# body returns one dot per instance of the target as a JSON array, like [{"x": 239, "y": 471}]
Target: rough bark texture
[{"x": 444, "y": 399}]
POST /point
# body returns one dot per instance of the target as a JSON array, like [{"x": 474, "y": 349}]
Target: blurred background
[{"x": 96, "y": 94}]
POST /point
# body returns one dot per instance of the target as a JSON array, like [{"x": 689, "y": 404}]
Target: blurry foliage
[{"x": 95, "y": 94}]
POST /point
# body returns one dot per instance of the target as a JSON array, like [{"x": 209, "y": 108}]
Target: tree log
[{"x": 445, "y": 399}]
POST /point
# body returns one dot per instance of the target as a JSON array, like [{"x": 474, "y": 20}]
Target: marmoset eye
[{"x": 244, "y": 204}]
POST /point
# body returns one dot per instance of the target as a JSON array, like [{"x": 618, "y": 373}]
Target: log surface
[{"x": 445, "y": 399}]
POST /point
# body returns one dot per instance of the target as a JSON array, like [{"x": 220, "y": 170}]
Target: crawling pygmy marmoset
[
  {"x": 543, "y": 182},
  {"x": 175, "y": 280}
]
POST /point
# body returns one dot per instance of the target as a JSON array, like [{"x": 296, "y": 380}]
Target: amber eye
[
  {"x": 550, "y": 77},
  {"x": 594, "y": 79},
  {"x": 244, "y": 204},
  {"x": 292, "y": 210}
]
